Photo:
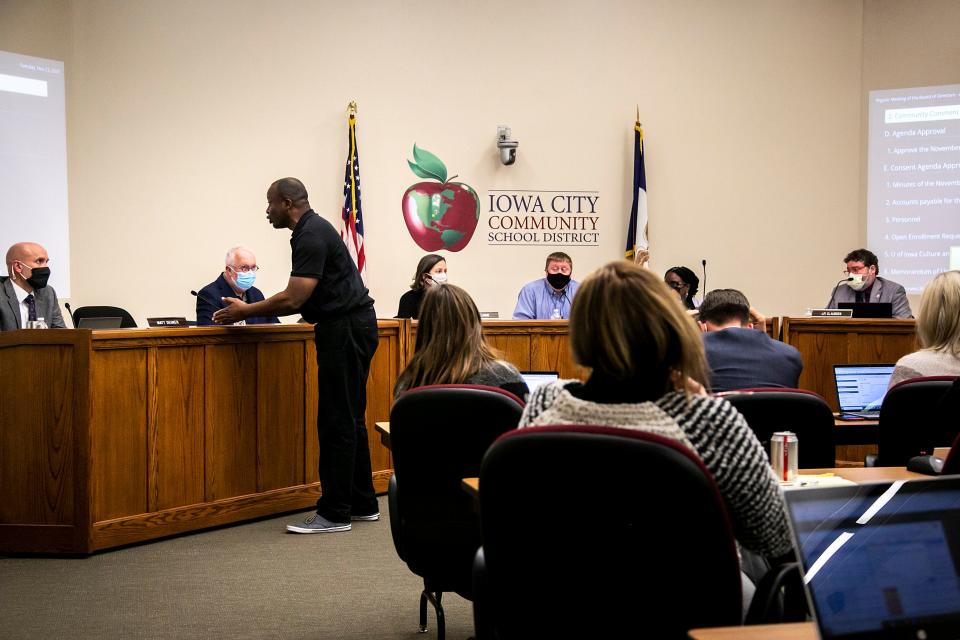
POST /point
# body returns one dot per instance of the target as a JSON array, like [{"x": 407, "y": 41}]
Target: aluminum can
[{"x": 783, "y": 455}]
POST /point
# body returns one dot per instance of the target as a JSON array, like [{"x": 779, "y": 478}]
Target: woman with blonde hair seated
[
  {"x": 647, "y": 372},
  {"x": 938, "y": 328},
  {"x": 451, "y": 348}
]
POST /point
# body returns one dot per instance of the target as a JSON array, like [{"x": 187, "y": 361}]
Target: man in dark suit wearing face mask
[
  {"x": 24, "y": 294},
  {"x": 862, "y": 284},
  {"x": 236, "y": 281}
]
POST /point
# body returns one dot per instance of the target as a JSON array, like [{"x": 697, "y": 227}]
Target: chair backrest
[
  {"x": 803, "y": 412},
  {"x": 911, "y": 423},
  {"x": 438, "y": 435},
  {"x": 126, "y": 320},
  {"x": 597, "y": 531}
]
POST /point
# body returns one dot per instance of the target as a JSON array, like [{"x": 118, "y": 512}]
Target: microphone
[
  {"x": 205, "y": 298},
  {"x": 70, "y": 311},
  {"x": 837, "y": 286},
  {"x": 703, "y": 263}
]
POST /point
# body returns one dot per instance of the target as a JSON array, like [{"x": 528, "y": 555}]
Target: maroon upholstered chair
[
  {"x": 803, "y": 412},
  {"x": 438, "y": 435},
  {"x": 912, "y": 422},
  {"x": 599, "y": 532}
]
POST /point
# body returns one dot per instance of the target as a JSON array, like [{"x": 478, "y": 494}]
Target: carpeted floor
[{"x": 246, "y": 581}]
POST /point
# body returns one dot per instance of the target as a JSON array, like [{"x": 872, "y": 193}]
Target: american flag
[{"x": 352, "y": 230}]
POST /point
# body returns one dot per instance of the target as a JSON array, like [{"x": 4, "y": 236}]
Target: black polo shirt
[{"x": 319, "y": 253}]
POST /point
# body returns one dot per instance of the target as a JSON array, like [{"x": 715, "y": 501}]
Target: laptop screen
[
  {"x": 99, "y": 322},
  {"x": 881, "y": 560},
  {"x": 536, "y": 378},
  {"x": 861, "y": 387}
]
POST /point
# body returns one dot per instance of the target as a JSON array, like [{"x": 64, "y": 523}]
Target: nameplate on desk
[
  {"x": 831, "y": 313},
  {"x": 167, "y": 322},
  {"x": 489, "y": 315}
]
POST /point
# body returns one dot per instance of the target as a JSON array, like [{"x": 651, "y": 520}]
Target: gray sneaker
[
  {"x": 373, "y": 517},
  {"x": 315, "y": 523}
]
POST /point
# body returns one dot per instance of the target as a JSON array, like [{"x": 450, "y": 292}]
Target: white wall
[{"x": 180, "y": 114}]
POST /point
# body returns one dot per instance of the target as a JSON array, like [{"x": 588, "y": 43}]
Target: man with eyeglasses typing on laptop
[{"x": 236, "y": 281}]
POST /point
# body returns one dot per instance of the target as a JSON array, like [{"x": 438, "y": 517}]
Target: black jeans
[{"x": 345, "y": 347}]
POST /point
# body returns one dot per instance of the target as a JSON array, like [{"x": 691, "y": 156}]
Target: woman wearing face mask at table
[{"x": 431, "y": 271}]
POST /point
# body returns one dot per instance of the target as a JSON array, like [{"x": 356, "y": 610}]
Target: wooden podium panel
[
  {"x": 824, "y": 342},
  {"x": 530, "y": 345},
  {"x": 119, "y": 436}
]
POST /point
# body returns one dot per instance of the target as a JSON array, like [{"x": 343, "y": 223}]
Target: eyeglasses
[
  {"x": 245, "y": 269},
  {"x": 855, "y": 271},
  {"x": 676, "y": 285}
]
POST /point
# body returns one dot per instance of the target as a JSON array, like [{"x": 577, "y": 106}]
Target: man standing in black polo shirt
[{"x": 325, "y": 287}]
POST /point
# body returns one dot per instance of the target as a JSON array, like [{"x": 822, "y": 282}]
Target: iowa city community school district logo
[{"x": 440, "y": 214}]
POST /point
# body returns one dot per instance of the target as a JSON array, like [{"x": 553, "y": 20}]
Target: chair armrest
[
  {"x": 395, "y": 529},
  {"x": 482, "y": 625},
  {"x": 779, "y": 597}
]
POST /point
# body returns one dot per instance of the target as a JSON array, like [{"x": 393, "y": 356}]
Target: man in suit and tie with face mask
[
  {"x": 24, "y": 294},
  {"x": 862, "y": 284}
]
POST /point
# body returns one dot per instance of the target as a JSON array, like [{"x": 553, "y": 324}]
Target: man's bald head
[
  {"x": 22, "y": 259},
  {"x": 286, "y": 203},
  {"x": 290, "y": 189},
  {"x": 24, "y": 251}
]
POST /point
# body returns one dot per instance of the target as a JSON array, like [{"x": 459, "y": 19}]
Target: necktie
[{"x": 31, "y": 307}]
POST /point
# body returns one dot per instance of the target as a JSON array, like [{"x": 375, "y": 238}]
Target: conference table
[{"x": 859, "y": 475}]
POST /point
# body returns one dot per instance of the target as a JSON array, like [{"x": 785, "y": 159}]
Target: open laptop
[
  {"x": 861, "y": 388},
  {"x": 869, "y": 309},
  {"x": 105, "y": 322},
  {"x": 536, "y": 378},
  {"x": 881, "y": 560}
]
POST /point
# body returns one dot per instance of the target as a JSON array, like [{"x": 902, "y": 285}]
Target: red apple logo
[{"x": 442, "y": 214}]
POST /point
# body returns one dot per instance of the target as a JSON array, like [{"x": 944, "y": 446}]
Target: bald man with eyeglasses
[{"x": 236, "y": 281}]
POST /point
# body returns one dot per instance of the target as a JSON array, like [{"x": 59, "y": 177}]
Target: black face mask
[
  {"x": 558, "y": 280},
  {"x": 38, "y": 277}
]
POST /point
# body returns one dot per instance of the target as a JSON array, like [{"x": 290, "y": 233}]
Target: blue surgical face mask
[{"x": 245, "y": 279}]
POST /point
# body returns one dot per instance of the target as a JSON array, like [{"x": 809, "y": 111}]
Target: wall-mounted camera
[{"x": 508, "y": 147}]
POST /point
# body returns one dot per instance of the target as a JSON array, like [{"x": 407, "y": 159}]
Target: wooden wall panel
[
  {"x": 384, "y": 370},
  {"x": 176, "y": 435},
  {"x": 311, "y": 441},
  {"x": 36, "y": 437},
  {"x": 280, "y": 415},
  {"x": 118, "y": 433},
  {"x": 230, "y": 378},
  {"x": 515, "y": 349}
]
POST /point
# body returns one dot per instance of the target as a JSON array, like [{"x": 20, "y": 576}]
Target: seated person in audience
[
  {"x": 451, "y": 348},
  {"x": 864, "y": 285},
  {"x": 739, "y": 355},
  {"x": 685, "y": 283},
  {"x": 646, "y": 363},
  {"x": 236, "y": 281},
  {"x": 938, "y": 329},
  {"x": 548, "y": 298},
  {"x": 24, "y": 294},
  {"x": 431, "y": 270}
]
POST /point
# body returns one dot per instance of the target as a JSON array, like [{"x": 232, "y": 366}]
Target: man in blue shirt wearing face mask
[
  {"x": 549, "y": 298},
  {"x": 236, "y": 281}
]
